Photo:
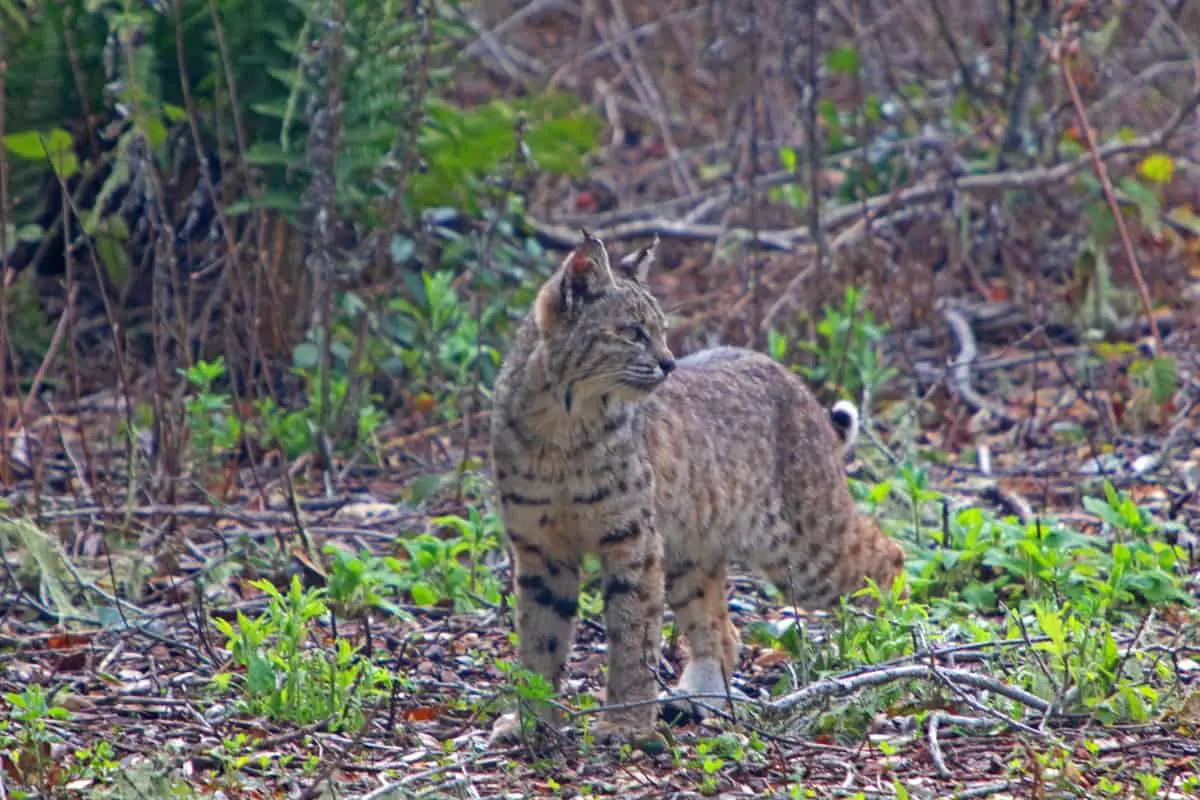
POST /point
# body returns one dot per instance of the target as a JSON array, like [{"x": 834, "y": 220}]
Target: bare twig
[
  {"x": 1060, "y": 52},
  {"x": 51, "y": 351}
]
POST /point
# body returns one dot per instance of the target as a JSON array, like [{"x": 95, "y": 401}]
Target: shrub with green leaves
[
  {"x": 451, "y": 568},
  {"x": 289, "y": 680},
  {"x": 847, "y": 354}
]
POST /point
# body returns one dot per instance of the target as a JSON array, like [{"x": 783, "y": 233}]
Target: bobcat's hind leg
[
  {"x": 818, "y": 571},
  {"x": 702, "y": 615}
]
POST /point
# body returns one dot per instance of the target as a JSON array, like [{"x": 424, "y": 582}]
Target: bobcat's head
[{"x": 602, "y": 332}]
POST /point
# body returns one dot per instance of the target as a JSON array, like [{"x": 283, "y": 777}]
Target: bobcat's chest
[{"x": 579, "y": 497}]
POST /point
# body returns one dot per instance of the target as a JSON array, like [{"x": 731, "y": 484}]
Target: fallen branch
[
  {"x": 960, "y": 367},
  {"x": 844, "y": 686}
]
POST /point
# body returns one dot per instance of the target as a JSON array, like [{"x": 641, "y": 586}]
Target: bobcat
[{"x": 668, "y": 470}]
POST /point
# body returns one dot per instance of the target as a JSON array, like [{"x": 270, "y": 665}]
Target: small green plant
[
  {"x": 213, "y": 428},
  {"x": 26, "y": 735},
  {"x": 993, "y": 582},
  {"x": 531, "y": 693},
  {"x": 440, "y": 345},
  {"x": 448, "y": 568},
  {"x": 847, "y": 353},
  {"x": 97, "y": 762},
  {"x": 289, "y": 682},
  {"x": 295, "y": 431},
  {"x": 984, "y": 561},
  {"x": 438, "y": 568},
  {"x": 359, "y": 582},
  {"x": 713, "y": 756},
  {"x": 1126, "y": 518},
  {"x": 1084, "y": 666}
]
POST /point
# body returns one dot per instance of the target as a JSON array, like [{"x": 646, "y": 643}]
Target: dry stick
[
  {"x": 935, "y": 748},
  {"x": 51, "y": 351},
  {"x": 5, "y": 473},
  {"x": 650, "y": 96},
  {"x": 960, "y": 367},
  {"x": 395, "y": 786},
  {"x": 846, "y": 685},
  {"x": 842, "y": 686},
  {"x": 486, "y": 35},
  {"x": 1056, "y": 54},
  {"x": 709, "y": 200}
]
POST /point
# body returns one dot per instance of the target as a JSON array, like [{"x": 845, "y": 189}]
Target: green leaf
[
  {"x": 306, "y": 356},
  {"x": 844, "y": 60},
  {"x": 980, "y": 595},
  {"x": 111, "y": 236},
  {"x": 873, "y": 109},
  {"x": 1051, "y": 624},
  {"x": 26, "y": 145},
  {"x": 1164, "y": 379},
  {"x": 1103, "y": 510},
  {"x": 55, "y": 145},
  {"x": 174, "y": 113},
  {"x": 1148, "y": 206},
  {"x": 787, "y": 157},
  {"x": 60, "y": 149},
  {"x": 423, "y": 594},
  {"x": 16, "y": 14},
  {"x": 154, "y": 130},
  {"x": 270, "y": 199}
]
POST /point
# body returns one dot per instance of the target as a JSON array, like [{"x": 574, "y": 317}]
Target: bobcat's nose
[{"x": 666, "y": 364}]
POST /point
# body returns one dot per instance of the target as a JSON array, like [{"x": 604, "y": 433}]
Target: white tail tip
[{"x": 844, "y": 416}]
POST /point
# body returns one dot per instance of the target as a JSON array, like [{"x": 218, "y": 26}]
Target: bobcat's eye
[{"x": 636, "y": 334}]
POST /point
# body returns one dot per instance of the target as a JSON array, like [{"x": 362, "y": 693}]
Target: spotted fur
[{"x": 670, "y": 471}]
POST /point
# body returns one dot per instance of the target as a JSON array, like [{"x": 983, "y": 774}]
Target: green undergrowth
[
  {"x": 1074, "y": 618},
  {"x": 1071, "y": 617}
]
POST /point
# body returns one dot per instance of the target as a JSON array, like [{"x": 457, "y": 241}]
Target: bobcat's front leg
[
  {"x": 631, "y": 552},
  {"x": 547, "y": 593}
]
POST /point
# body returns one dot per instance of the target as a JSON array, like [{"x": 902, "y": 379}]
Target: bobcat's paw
[
  {"x": 702, "y": 677},
  {"x": 614, "y": 733},
  {"x": 506, "y": 732},
  {"x": 679, "y": 710}
]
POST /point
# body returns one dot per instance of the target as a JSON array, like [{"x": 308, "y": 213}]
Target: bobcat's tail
[{"x": 844, "y": 416}]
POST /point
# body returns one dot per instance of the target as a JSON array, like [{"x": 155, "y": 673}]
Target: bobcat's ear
[
  {"x": 584, "y": 276},
  {"x": 636, "y": 266}
]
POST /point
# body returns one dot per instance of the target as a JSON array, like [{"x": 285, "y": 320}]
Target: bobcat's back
[{"x": 748, "y": 469}]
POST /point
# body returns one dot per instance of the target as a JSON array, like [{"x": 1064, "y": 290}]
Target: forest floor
[{"x": 150, "y": 700}]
